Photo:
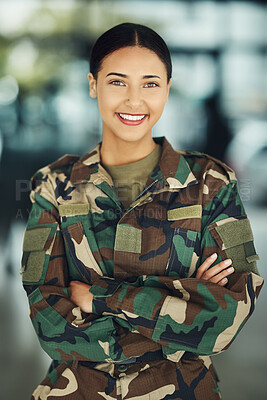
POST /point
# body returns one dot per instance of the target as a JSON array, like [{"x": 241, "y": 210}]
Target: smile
[{"x": 130, "y": 119}]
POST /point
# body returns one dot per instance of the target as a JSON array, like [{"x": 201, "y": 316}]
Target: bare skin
[
  {"x": 132, "y": 80},
  {"x": 81, "y": 296}
]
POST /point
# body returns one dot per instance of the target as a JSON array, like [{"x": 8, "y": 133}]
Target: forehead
[{"x": 135, "y": 59}]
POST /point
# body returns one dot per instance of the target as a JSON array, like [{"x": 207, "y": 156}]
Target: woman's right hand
[{"x": 217, "y": 274}]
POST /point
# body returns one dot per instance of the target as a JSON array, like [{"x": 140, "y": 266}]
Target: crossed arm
[
  {"x": 81, "y": 296},
  {"x": 199, "y": 315}
]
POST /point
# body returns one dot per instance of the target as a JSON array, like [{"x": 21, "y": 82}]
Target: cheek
[
  {"x": 105, "y": 104},
  {"x": 108, "y": 100},
  {"x": 157, "y": 105}
]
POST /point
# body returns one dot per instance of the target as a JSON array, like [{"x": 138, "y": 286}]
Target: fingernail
[
  {"x": 224, "y": 280},
  {"x": 228, "y": 261},
  {"x": 230, "y": 269},
  {"x": 214, "y": 255}
]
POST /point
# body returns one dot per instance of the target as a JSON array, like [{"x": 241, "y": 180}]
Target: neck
[{"x": 115, "y": 151}]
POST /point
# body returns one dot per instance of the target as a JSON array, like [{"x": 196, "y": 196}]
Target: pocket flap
[
  {"x": 250, "y": 252},
  {"x": 35, "y": 238},
  {"x": 235, "y": 233},
  {"x": 33, "y": 266},
  {"x": 128, "y": 239},
  {"x": 235, "y": 239}
]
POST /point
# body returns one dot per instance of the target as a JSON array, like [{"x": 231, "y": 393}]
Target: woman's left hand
[
  {"x": 81, "y": 296},
  {"x": 216, "y": 274}
]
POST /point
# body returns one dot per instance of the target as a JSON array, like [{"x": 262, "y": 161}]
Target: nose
[{"x": 134, "y": 97}]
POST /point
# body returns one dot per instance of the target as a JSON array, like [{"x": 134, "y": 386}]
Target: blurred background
[{"x": 217, "y": 105}]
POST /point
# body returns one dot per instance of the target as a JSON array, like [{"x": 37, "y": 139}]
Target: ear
[
  {"x": 168, "y": 90},
  {"x": 92, "y": 85}
]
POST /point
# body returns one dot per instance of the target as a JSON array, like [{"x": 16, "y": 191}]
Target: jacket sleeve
[
  {"x": 64, "y": 331},
  {"x": 192, "y": 314}
]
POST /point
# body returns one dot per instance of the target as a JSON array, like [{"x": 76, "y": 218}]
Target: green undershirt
[{"x": 130, "y": 179}]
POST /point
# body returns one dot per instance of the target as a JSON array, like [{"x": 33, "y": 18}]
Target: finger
[
  {"x": 223, "y": 282},
  {"x": 222, "y": 275},
  {"x": 206, "y": 264},
  {"x": 211, "y": 272}
]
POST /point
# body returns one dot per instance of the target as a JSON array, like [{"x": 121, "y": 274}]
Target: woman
[{"x": 119, "y": 251}]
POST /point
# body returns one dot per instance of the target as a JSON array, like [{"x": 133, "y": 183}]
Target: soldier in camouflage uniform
[{"x": 155, "y": 320}]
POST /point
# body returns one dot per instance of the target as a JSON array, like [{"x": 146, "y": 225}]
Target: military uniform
[{"x": 154, "y": 325}]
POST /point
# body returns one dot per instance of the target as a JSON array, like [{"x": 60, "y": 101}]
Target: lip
[{"x": 133, "y": 123}]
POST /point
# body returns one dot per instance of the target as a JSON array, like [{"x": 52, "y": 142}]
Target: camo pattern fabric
[{"x": 154, "y": 325}]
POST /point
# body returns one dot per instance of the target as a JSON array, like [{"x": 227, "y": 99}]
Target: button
[{"x": 122, "y": 368}]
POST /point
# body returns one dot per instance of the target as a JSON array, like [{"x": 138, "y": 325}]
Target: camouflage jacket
[{"x": 141, "y": 262}]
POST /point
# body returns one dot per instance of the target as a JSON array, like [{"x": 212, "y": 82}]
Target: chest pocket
[{"x": 185, "y": 244}]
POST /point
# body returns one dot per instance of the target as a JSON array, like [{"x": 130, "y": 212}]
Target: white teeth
[{"x": 132, "y": 117}]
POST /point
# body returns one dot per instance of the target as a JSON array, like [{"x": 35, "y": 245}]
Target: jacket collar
[
  {"x": 173, "y": 171},
  {"x": 173, "y": 166}
]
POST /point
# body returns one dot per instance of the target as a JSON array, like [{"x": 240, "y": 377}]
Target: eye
[
  {"x": 116, "y": 83},
  {"x": 152, "y": 83}
]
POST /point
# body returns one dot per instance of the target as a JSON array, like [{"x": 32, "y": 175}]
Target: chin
[{"x": 133, "y": 136}]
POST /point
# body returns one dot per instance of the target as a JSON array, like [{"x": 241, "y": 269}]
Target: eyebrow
[{"x": 126, "y": 76}]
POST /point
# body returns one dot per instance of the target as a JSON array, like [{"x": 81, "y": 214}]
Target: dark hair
[{"x": 124, "y": 35}]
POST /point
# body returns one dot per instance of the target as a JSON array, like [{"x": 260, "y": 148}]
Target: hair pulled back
[{"x": 129, "y": 34}]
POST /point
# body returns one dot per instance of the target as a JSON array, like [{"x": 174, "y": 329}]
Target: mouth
[{"x": 131, "y": 119}]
